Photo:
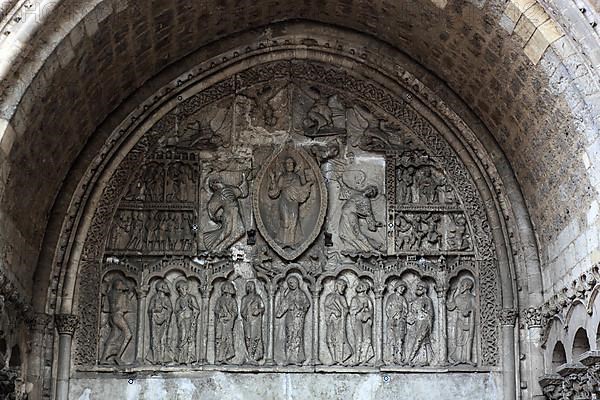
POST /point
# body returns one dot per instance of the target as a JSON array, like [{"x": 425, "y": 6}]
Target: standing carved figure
[
  {"x": 358, "y": 207},
  {"x": 252, "y": 311},
  {"x": 361, "y": 310},
  {"x": 336, "y": 312},
  {"x": 405, "y": 235},
  {"x": 226, "y": 311},
  {"x": 137, "y": 238},
  {"x": 396, "y": 311},
  {"x": 186, "y": 314},
  {"x": 421, "y": 318},
  {"x": 117, "y": 303},
  {"x": 427, "y": 187},
  {"x": 160, "y": 310},
  {"x": 293, "y": 306},
  {"x": 458, "y": 235},
  {"x": 224, "y": 210},
  {"x": 405, "y": 181},
  {"x": 291, "y": 189},
  {"x": 463, "y": 303}
]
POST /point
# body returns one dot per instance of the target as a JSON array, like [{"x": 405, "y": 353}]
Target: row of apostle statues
[{"x": 258, "y": 327}]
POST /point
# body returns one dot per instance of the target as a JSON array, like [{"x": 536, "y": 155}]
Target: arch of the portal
[{"x": 301, "y": 208}]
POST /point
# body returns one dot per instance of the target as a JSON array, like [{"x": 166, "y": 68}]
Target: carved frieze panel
[{"x": 292, "y": 222}]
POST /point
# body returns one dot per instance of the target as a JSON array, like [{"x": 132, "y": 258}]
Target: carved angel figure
[
  {"x": 463, "y": 303},
  {"x": 327, "y": 115},
  {"x": 293, "y": 306},
  {"x": 290, "y": 189},
  {"x": 226, "y": 312},
  {"x": 252, "y": 311},
  {"x": 224, "y": 210},
  {"x": 336, "y": 313},
  {"x": 356, "y": 208}
]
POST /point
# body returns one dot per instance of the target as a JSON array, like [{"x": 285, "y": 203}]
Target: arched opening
[
  {"x": 559, "y": 356},
  {"x": 581, "y": 343}
]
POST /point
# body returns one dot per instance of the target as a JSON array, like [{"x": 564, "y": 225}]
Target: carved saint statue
[
  {"x": 224, "y": 210},
  {"x": 160, "y": 310},
  {"x": 117, "y": 303},
  {"x": 293, "y": 308},
  {"x": 405, "y": 181},
  {"x": 252, "y": 311},
  {"x": 358, "y": 207},
  {"x": 187, "y": 311},
  {"x": 421, "y": 318},
  {"x": 463, "y": 303},
  {"x": 336, "y": 313},
  {"x": 226, "y": 311},
  {"x": 361, "y": 310},
  {"x": 290, "y": 189},
  {"x": 396, "y": 311}
]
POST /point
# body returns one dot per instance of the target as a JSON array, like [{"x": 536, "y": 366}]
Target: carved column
[
  {"x": 379, "y": 290},
  {"x": 508, "y": 317},
  {"x": 270, "y": 360},
  {"x": 39, "y": 323},
  {"x": 315, "y": 290},
  {"x": 65, "y": 325},
  {"x": 205, "y": 319},
  {"x": 442, "y": 336},
  {"x": 140, "y": 348},
  {"x": 532, "y": 319}
]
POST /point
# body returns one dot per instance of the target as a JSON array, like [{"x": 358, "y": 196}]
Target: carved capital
[
  {"x": 552, "y": 386},
  {"x": 533, "y": 317},
  {"x": 507, "y": 316},
  {"x": 66, "y": 323}
]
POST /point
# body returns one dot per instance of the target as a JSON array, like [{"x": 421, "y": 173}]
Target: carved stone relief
[{"x": 291, "y": 223}]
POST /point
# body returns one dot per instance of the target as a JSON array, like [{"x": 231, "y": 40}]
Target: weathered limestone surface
[{"x": 228, "y": 386}]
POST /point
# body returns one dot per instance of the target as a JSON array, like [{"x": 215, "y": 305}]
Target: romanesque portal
[{"x": 291, "y": 217}]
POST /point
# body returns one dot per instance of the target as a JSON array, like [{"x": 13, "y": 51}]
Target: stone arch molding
[{"x": 395, "y": 128}]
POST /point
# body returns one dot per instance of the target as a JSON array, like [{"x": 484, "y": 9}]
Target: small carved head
[
  {"x": 228, "y": 288},
  {"x": 215, "y": 183},
  {"x": 290, "y": 164},
  {"x": 250, "y": 287},
  {"x": 292, "y": 283},
  {"x": 341, "y": 285},
  {"x": 400, "y": 288},
  {"x": 362, "y": 287},
  {"x": 162, "y": 287},
  {"x": 466, "y": 285},
  {"x": 371, "y": 192},
  {"x": 119, "y": 285},
  {"x": 182, "y": 287},
  {"x": 421, "y": 289}
]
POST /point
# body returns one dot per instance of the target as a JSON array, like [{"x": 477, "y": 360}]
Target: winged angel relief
[{"x": 356, "y": 212}]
